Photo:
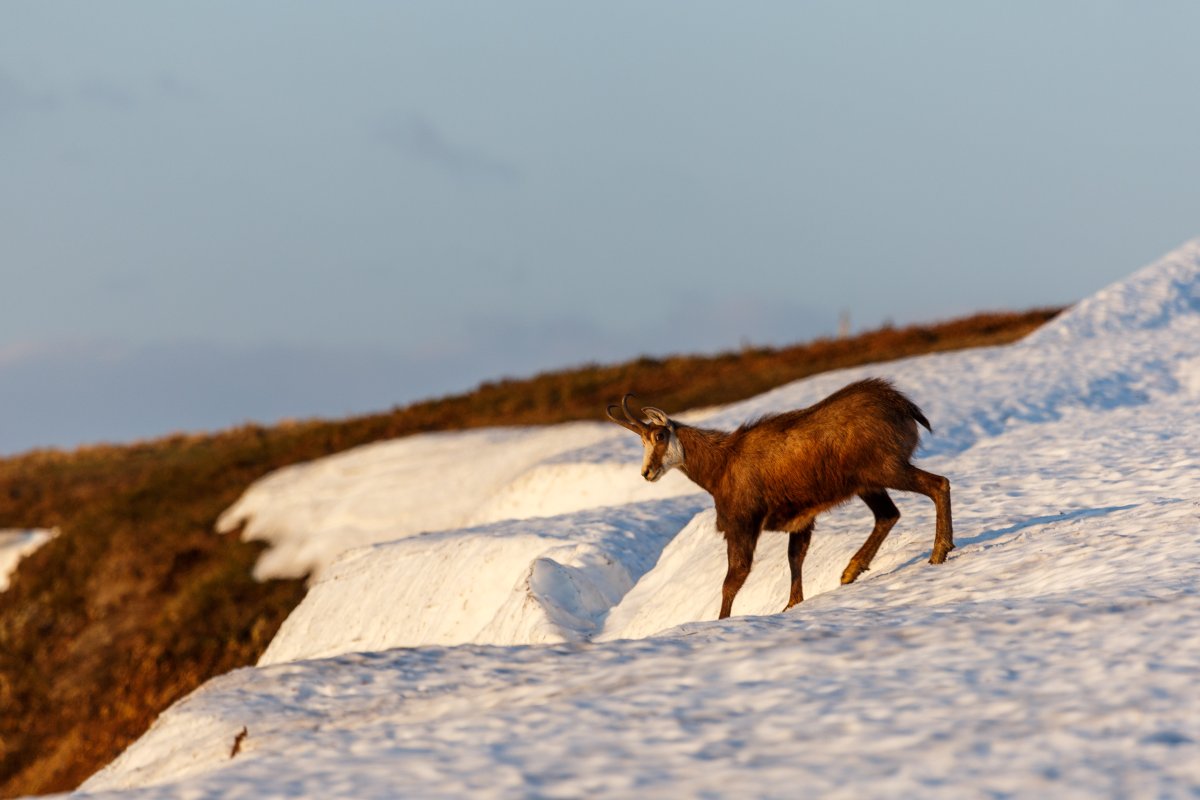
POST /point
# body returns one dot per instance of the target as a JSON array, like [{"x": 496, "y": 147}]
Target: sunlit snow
[{"x": 515, "y": 613}]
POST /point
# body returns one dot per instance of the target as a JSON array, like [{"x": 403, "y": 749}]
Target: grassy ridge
[{"x": 137, "y": 602}]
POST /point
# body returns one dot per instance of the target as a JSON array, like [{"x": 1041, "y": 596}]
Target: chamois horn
[{"x": 634, "y": 424}]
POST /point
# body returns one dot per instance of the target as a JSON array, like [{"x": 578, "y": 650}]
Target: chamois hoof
[
  {"x": 852, "y": 572},
  {"x": 939, "y": 554}
]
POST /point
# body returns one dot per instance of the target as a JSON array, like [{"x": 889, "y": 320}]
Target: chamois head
[{"x": 662, "y": 448}]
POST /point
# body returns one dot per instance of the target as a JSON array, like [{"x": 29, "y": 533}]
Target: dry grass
[{"x": 137, "y": 602}]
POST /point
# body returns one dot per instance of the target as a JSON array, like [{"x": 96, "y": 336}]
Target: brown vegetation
[{"x": 137, "y": 602}]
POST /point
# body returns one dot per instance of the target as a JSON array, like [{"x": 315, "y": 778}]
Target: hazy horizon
[{"x": 226, "y": 213}]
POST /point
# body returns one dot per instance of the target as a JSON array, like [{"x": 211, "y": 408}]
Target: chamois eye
[{"x": 661, "y": 436}]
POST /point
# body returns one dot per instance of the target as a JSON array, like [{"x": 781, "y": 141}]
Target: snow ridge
[{"x": 496, "y": 584}]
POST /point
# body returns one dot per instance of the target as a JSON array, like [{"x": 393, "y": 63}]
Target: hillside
[
  {"x": 137, "y": 603},
  {"x": 561, "y": 640}
]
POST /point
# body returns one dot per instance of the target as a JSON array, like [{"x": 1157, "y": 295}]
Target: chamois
[{"x": 779, "y": 472}]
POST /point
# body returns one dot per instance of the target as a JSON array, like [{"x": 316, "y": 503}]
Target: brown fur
[{"x": 780, "y": 472}]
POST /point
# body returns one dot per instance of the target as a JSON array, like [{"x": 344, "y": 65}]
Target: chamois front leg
[
  {"x": 797, "y": 549},
  {"x": 886, "y": 515},
  {"x": 740, "y": 541}
]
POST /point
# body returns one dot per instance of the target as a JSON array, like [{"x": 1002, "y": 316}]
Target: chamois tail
[{"x": 916, "y": 414}]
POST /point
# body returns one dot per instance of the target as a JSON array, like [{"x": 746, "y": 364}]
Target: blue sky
[{"x": 220, "y": 212}]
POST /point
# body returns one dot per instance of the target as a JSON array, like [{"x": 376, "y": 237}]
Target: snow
[
  {"x": 548, "y": 628},
  {"x": 16, "y": 544},
  {"x": 498, "y": 584},
  {"x": 310, "y": 513}
]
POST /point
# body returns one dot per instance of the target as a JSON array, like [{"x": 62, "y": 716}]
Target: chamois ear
[{"x": 656, "y": 415}]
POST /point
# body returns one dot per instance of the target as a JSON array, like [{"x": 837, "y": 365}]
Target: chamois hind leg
[
  {"x": 886, "y": 515},
  {"x": 741, "y": 556},
  {"x": 936, "y": 488},
  {"x": 797, "y": 548}
]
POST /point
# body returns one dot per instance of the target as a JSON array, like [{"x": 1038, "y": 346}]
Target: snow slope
[
  {"x": 503, "y": 583},
  {"x": 571, "y": 650}
]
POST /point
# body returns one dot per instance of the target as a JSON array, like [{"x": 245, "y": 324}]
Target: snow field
[{"x": 927, "y": 684}]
